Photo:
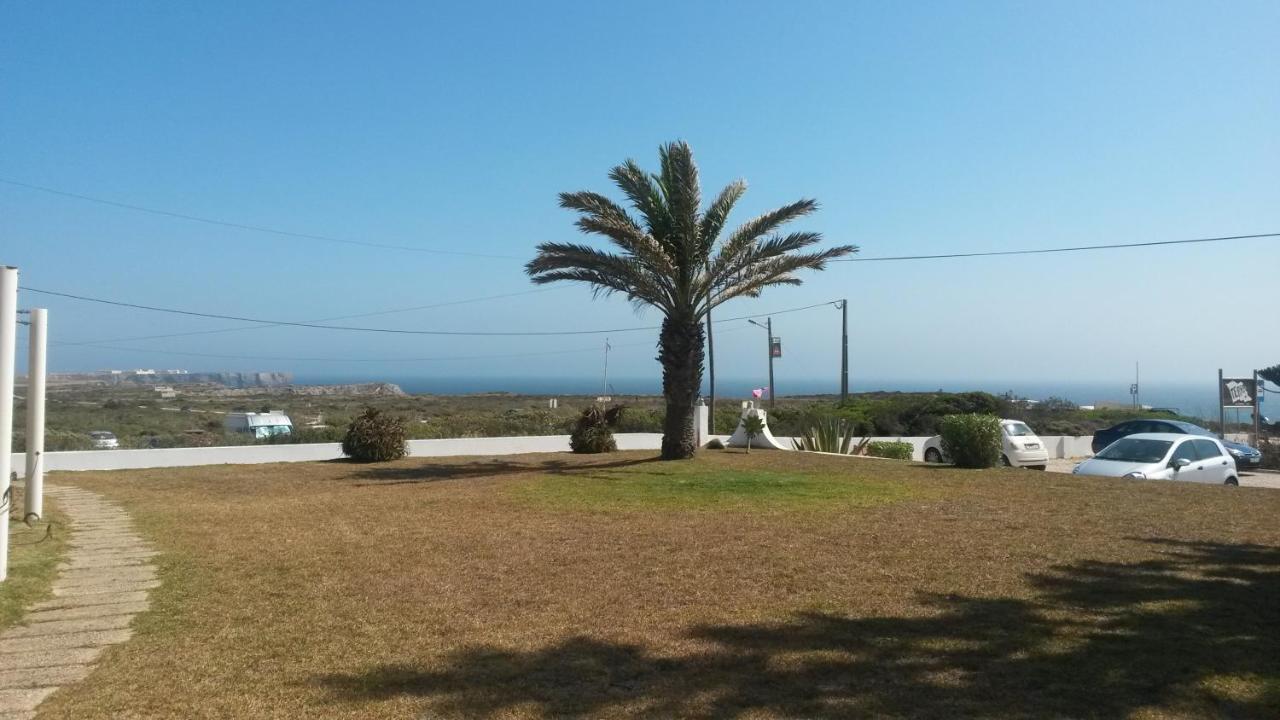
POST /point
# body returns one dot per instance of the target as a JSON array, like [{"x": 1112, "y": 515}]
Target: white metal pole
[
  {"x": 8, "y": 350},
  {"x": 36, "y": 365}
]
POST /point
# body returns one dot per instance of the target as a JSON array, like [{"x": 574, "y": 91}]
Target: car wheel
[
  {"x": 1041, "y": 468},
  {"x": 1004, "y": 460},
  {"x": 932, "y": 455},
  {"x": 1232, "y": 482}
]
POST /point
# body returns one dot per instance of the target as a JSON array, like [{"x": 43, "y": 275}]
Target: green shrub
[
  {"x": 593, "y": 432},
  {"x": 892, "y": 450},
  {"x": 971, "y": 441},
  {"x": 375, "y": 437},
  {"x": 715, "y": 444}
]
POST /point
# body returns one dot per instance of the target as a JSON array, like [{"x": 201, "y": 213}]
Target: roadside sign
[
  {"x": 775, "y": 347},
  {"x": 1239, "y": 392}
]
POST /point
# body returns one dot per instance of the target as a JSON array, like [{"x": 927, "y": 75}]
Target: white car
[
  {"x": 1020, "y": 447},
  {"x": 103, "y": 440},
  {"x": 1164, "y": 456}
]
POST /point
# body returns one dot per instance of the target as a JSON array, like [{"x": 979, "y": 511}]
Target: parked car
[
  {"x": 1244, "y": 455},
  {"x": 103, "y": 440},
  {"x": 1020, "y": 447},
  {"x": 1164, "y": 456}
]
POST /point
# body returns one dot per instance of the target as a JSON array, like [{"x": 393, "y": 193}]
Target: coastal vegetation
[
  {"x": 140, "y": 418},
  {"x": 673, "y": 258}
]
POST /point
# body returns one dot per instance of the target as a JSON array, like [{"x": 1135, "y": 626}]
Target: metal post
[
  {"x": 604, "y": 384},
  {"x": 711, "y": 373},
  {"x": 1222, "y": 411},
  {"x": 773, "y": 390},
  {"x": 844, "y": 351},
  {"x": 36, "y": 367},
  {"x": 8, "y": 349},
  {"x": 1257, "y": 410}
]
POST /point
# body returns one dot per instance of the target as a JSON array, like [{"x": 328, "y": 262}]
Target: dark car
[{"x": 1244, "y": 455}]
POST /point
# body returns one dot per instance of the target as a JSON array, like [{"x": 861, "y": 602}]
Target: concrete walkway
[{"x": 101, "y": 585}]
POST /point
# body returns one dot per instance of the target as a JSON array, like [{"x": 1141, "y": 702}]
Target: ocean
[{"x": 1193, "y": 399}]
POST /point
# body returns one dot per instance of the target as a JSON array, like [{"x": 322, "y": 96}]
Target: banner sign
[
  {"x": 1239, "y": 392},
  {"x": 775, "y": 347}
]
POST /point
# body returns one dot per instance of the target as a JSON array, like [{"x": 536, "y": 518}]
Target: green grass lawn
[
  {"x": 688, "y": 486},
  {"x": 34, "y": 554},
  {"x": 775, "y": 584}
]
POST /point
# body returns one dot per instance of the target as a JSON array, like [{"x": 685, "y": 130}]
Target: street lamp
[
  {"x": 844, "y": 349},
  {"x": 770, "y": 344}
]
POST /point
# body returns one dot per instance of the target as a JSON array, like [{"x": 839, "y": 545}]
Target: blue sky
[{"x": 921, "y": 128}]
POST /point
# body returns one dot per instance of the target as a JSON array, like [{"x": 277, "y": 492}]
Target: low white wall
[
  {"x": 253, "y": 454},
  {"x": 1058, "y": 446}
]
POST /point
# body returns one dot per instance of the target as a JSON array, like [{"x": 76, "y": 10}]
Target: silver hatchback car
[{"x": 1164, "y": 456}]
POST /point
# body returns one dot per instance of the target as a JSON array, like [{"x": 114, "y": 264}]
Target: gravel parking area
[{"x": 1248, "y": 479}]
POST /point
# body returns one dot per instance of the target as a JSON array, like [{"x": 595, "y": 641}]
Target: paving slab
[
  {"x": 50, "y": 657},
  {"x": 97, "y": 576},
  {"x": 52, "y": 676},
  {"x": 79, "y": 601},
  {"x": 95, "y": 638},
  {"x": 74, "y": 625},
  {"x": 105, "y": 588},
  {"x": 86, "y": 611},
  {"x": 25, "y": 699}
]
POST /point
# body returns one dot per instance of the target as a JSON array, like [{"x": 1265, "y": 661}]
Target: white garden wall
[{"x": 1058, "y": 446}]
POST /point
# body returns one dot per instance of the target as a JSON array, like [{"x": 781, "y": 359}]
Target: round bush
[
  {"x": 891, "y": 450},
  {"x": 375, "y": 437},
  {"x": 972, "y": 441}
]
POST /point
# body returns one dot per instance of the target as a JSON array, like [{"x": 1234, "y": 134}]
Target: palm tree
[{"x": 673, "y": 258}]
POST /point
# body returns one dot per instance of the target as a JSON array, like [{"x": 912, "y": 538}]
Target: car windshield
[
  {"x": 1017, "y": 429},
  {"x": 1136, "y": 450}
]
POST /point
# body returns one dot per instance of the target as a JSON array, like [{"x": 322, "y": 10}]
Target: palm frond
[
  {"x": 717, "y": 214},
  {"x": 645, "y": 196}
]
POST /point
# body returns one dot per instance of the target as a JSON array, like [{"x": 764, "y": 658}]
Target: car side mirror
[{"x": 1179, "y": 463}]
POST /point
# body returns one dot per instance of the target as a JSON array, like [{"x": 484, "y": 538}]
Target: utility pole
[
  {"x": 711, "y": 362},
  {"x": 773, "y": 390},
  {"x": 8, "y": 350},
  {"x": 711, "y": 374},
  {"x": 604, "y": 384},
  {"x": 844, "y": 351},
  {"x": 1257, "y": 409},
  {"x": 1222, "y": 410},
  {"x": 33, "y": 499}
]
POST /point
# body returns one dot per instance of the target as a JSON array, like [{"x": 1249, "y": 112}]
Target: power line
[
  {"x": 246, "y": 226},
  {"x": 1044, "y": 251},
  {"x": 393, "y": 331},
  {"x": 444, "y": 358},
  {"x": 320, "y": 320}
]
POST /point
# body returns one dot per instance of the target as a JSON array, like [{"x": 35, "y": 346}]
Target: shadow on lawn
[
  {"x": 1098, "y": 640},
  {"x": 437, "y": 471}
]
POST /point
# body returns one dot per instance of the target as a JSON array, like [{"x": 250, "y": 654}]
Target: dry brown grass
[{"x": 560, "y": 585}]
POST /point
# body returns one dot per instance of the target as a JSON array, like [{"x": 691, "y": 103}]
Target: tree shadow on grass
[
  {"x": 435, "y": 471},
  {"x": 1193, "y": 632}
]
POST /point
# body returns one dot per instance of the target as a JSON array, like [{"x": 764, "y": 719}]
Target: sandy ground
[{"x": 1248, "y": 479}]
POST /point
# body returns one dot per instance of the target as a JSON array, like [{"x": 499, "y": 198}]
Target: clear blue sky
[{"x": 923, "y": 127}]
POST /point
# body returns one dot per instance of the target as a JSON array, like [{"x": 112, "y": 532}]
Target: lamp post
[
  {"x": 768, "y": 328},
  {"x": 844, "y": 349}
]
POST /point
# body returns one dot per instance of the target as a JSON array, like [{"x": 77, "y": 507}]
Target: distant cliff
[{"x": 229, "y": 379}]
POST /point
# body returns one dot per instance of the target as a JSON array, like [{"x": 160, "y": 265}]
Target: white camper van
[{"x": 260, "y": 424}]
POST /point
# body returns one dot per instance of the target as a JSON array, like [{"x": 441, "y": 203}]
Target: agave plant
[
  {"x": 830, "y": 435},
  {"x": 675, "y": 257}
]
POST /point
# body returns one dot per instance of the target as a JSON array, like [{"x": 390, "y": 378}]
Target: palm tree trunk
[{"x": 680, "y": 348}]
